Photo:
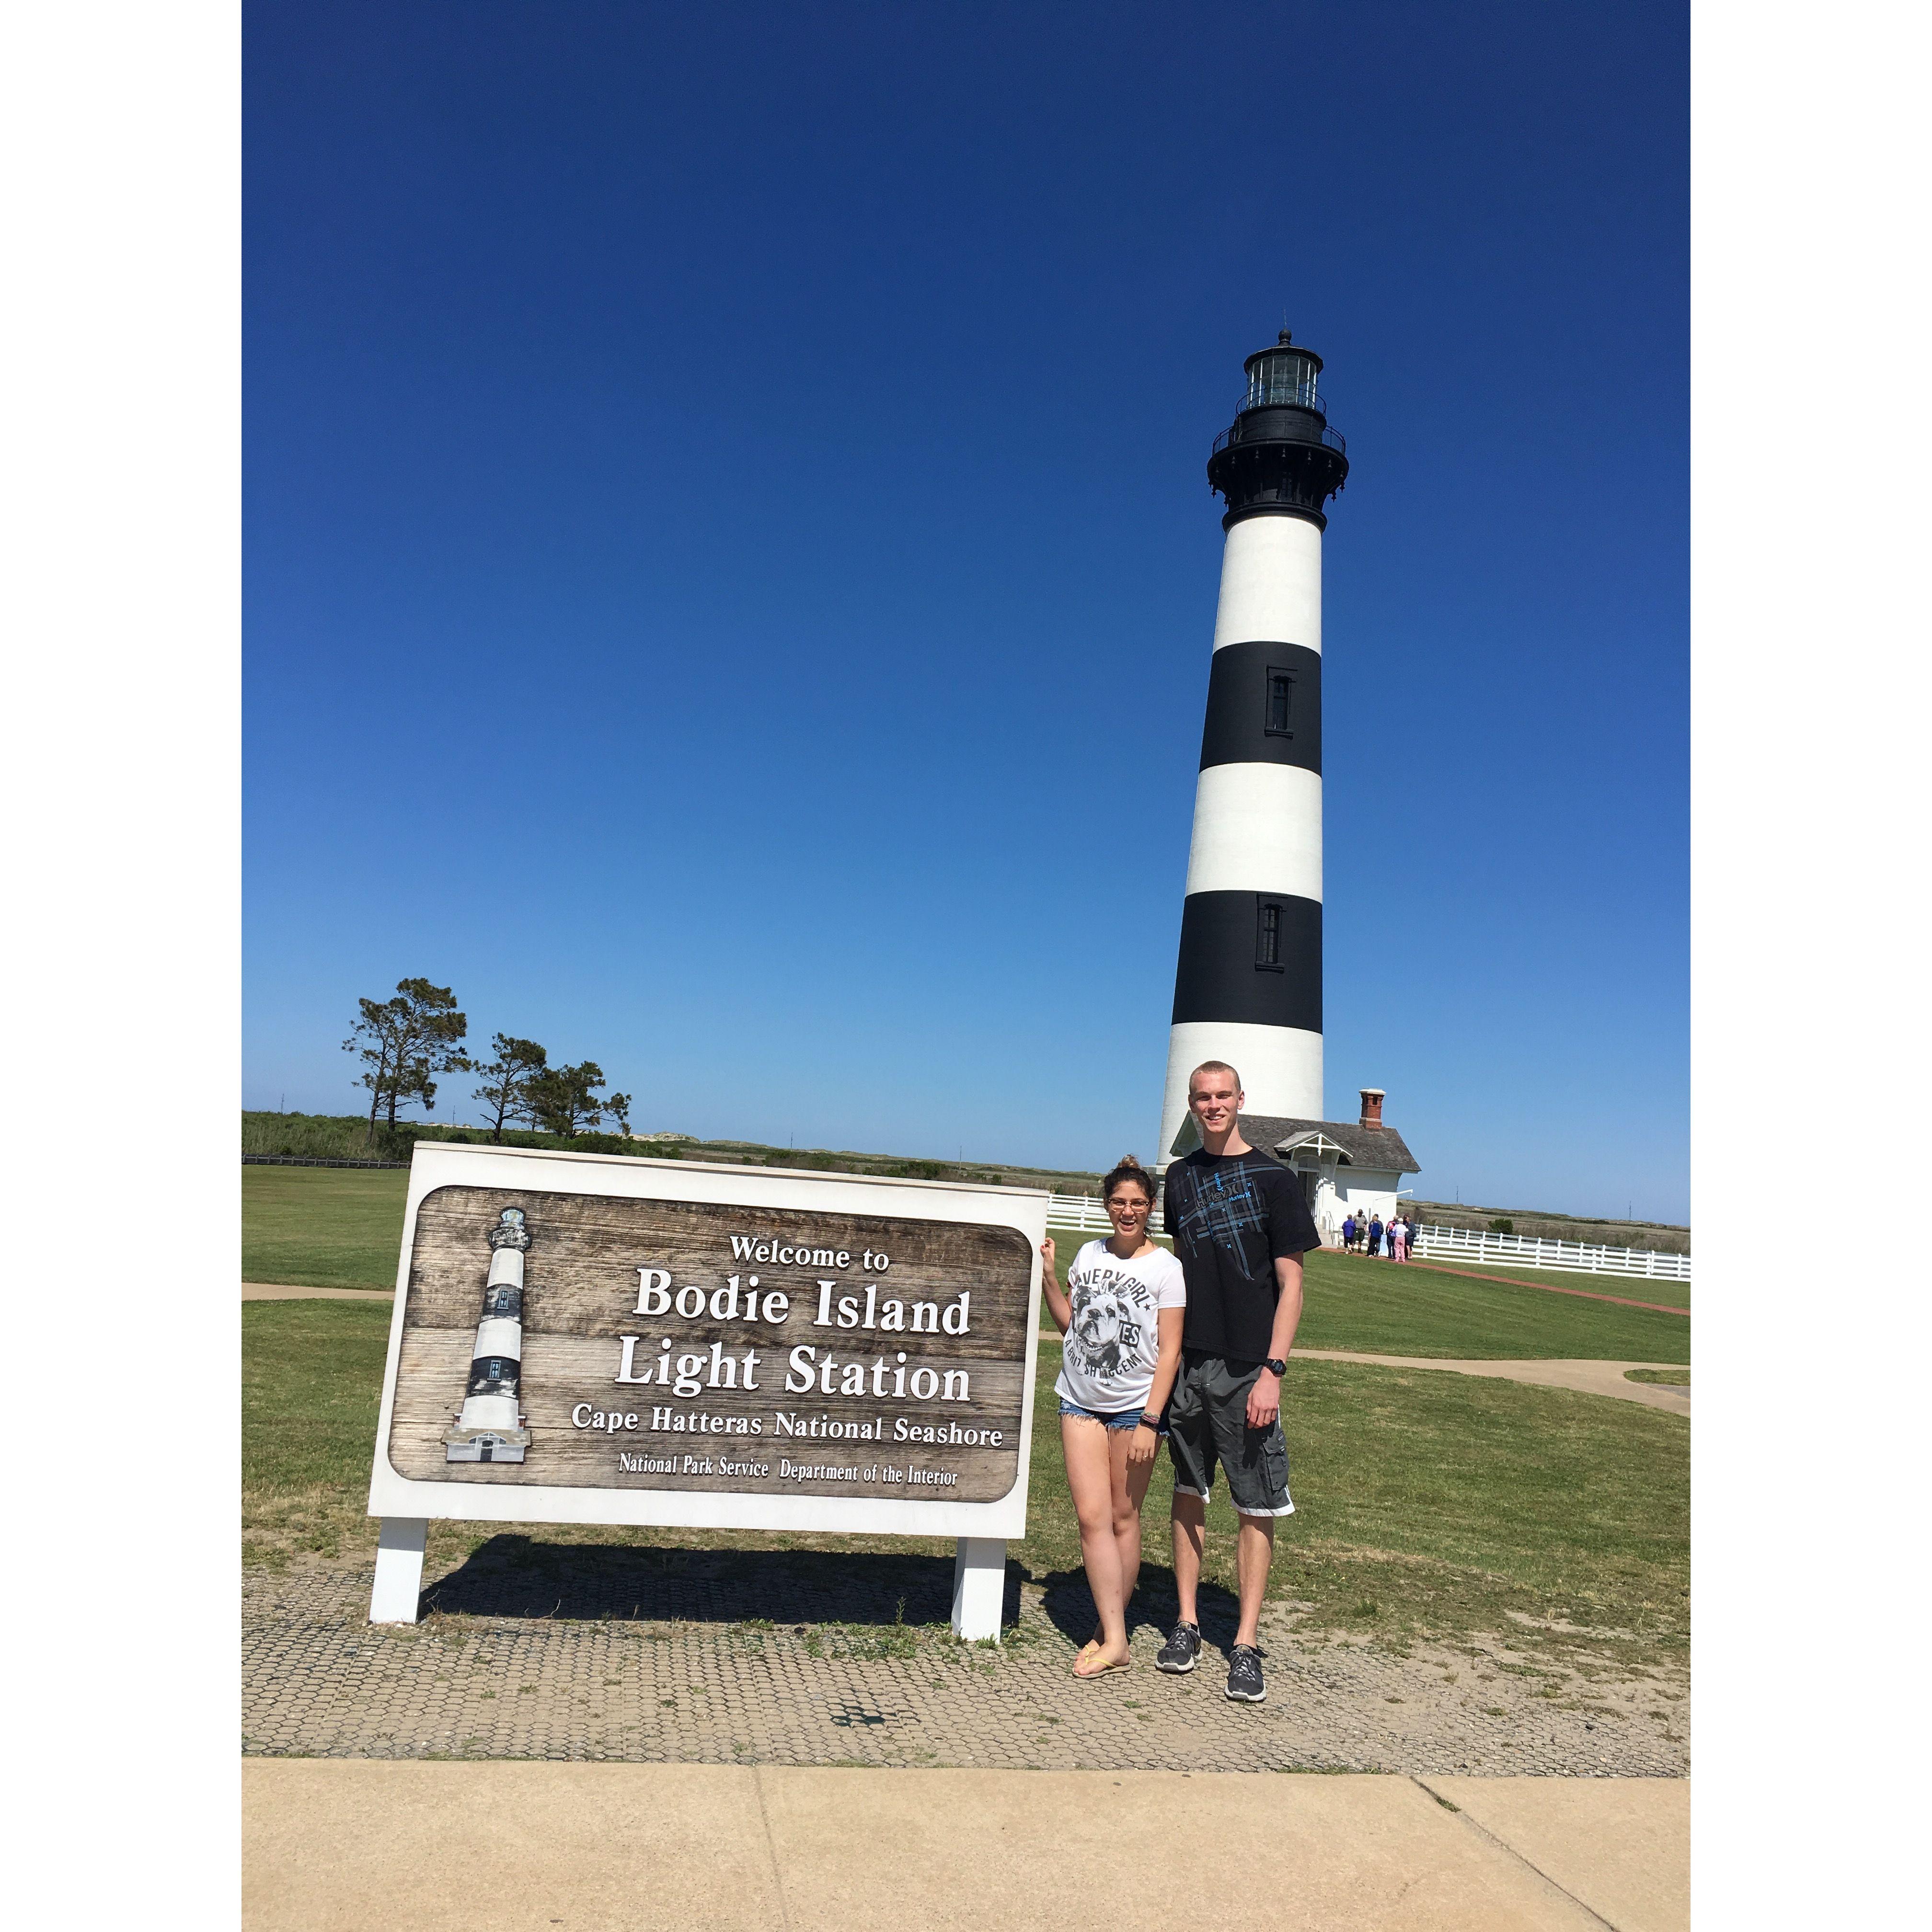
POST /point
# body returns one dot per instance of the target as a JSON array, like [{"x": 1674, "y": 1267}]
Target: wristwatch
[{"x": 1277, "y": 1364}]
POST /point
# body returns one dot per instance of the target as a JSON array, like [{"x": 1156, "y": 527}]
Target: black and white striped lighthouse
[
  {"x": 490, "y": 1427},
  {"x": 1248, "y": 986}
]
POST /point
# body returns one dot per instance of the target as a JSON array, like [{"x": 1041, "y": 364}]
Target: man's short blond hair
[{"x": 1214, "y": 1066}]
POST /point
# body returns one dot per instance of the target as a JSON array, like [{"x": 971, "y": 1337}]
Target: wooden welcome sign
[{"x": 584, "y": 1338}]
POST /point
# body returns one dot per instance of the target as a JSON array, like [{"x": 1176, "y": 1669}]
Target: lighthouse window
[
  {"x": 1280, "y": 703},
  {"x": 495, "y": 1370},
  {"x": 1285, "y": 376},
  {"x": 1267, "y": 936}
]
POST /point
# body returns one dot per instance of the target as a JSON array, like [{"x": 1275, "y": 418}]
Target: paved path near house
[
  {"x": 269, "y": 1291},
  {"x": 335, "y": 1846},
  {"x": 1588, "y": 1378}
]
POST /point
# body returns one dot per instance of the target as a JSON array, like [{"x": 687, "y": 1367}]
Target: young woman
[{"x": 1122, "y": 1320}]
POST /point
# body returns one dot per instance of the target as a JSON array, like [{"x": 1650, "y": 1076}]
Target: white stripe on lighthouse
[
  {"x": 499, "y": 1335},
  {"x": 1270, "y": 583},
  {"x": 1280, "y": 1068},
  {"x": 1257, "y": 828},
  {"x": 490, "y": 1412}
]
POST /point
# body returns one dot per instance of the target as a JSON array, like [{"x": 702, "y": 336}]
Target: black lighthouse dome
[{"x": 1278, "y": 457}]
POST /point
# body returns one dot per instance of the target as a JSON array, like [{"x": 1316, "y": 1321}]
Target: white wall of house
[{"x": 1341, "y": 1189}]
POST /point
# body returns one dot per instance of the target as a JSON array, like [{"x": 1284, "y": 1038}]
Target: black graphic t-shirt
[{"x": 1232, "y": 1216}]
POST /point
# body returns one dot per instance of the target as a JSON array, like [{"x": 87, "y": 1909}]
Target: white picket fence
[
  {"x": 1474, "y": 1244},
  {"x": 1084, "y": 1213}
]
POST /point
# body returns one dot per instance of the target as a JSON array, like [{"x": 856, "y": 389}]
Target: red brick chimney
[{"x": 1372, "y": 1108}]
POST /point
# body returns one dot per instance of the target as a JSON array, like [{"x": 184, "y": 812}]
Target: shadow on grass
[
  {"x": 1068, "y": 1604},
  {"x": 518, "y": 1576}
]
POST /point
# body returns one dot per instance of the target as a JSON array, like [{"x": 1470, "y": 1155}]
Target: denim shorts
[{"x": 1128, "y": 1418}]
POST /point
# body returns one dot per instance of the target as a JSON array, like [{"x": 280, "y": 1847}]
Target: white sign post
[{"x": 589, "y": 1339}]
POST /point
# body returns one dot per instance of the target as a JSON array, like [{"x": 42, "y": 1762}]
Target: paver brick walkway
[{"x": 588, "y": 1652}]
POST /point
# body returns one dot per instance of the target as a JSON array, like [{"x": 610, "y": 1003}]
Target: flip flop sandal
[{"x": 1087, "y": 1676}]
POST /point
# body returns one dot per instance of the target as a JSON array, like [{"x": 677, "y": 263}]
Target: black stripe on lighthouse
[
  {"x": 1250, "y": 957},
  {"x": 1264, "y": 706},
  {"x": 508, "y": 1370}
]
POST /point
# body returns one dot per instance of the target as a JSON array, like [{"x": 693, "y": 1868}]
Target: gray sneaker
[
  {"x": 1178, "y": 1654},
  {"x": 1244, "y": 1674}
]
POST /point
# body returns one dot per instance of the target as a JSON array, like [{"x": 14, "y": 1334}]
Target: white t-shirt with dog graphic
[{"x": 1114, "y": 1340}]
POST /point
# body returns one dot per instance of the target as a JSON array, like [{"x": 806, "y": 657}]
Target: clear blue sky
[{"x": 731, "y": 572}]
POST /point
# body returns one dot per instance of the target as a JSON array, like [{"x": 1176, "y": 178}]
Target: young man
[{"x": 1239, "y": 1227}]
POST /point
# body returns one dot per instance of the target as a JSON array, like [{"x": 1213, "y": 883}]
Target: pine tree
[
  {"x": 404, "y": 1043},
  {"x": 505, "y": 1089}
]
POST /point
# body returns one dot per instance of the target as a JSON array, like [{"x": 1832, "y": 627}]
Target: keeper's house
[{"x": 1343, "y": 1169}]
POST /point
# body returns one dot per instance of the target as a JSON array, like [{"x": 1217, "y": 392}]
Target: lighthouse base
[
  {"x": 485, "y": 1445},
  {"x": 1280, "y": 1068}
]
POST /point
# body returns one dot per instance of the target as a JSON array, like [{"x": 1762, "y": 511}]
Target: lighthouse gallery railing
[{"x": 1333, "y": 438}]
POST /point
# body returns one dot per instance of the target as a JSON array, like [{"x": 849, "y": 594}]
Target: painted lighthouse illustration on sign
[
  {"x": 1247, "y": 988},
  {"x": 490, "y": 1428}
]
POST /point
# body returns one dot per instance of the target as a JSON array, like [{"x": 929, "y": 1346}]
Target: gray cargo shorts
[{"x": 1207, "y": 1422}]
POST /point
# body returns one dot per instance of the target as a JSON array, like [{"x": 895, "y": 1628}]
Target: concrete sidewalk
[
  {"x": 341, "y": 1845},
  {"x": 1587, "y": 1377}
]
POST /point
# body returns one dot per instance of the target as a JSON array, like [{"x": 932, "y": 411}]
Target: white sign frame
[{"x": 406, "y": 1506}]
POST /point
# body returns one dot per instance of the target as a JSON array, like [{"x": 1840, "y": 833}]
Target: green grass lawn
[
  {"x": 1428, "y": 1504},
  {"x": 342, "y": 1228},
  {"x": 322, "y": 1227},
  {"x": 1376, "y": 1308}
]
